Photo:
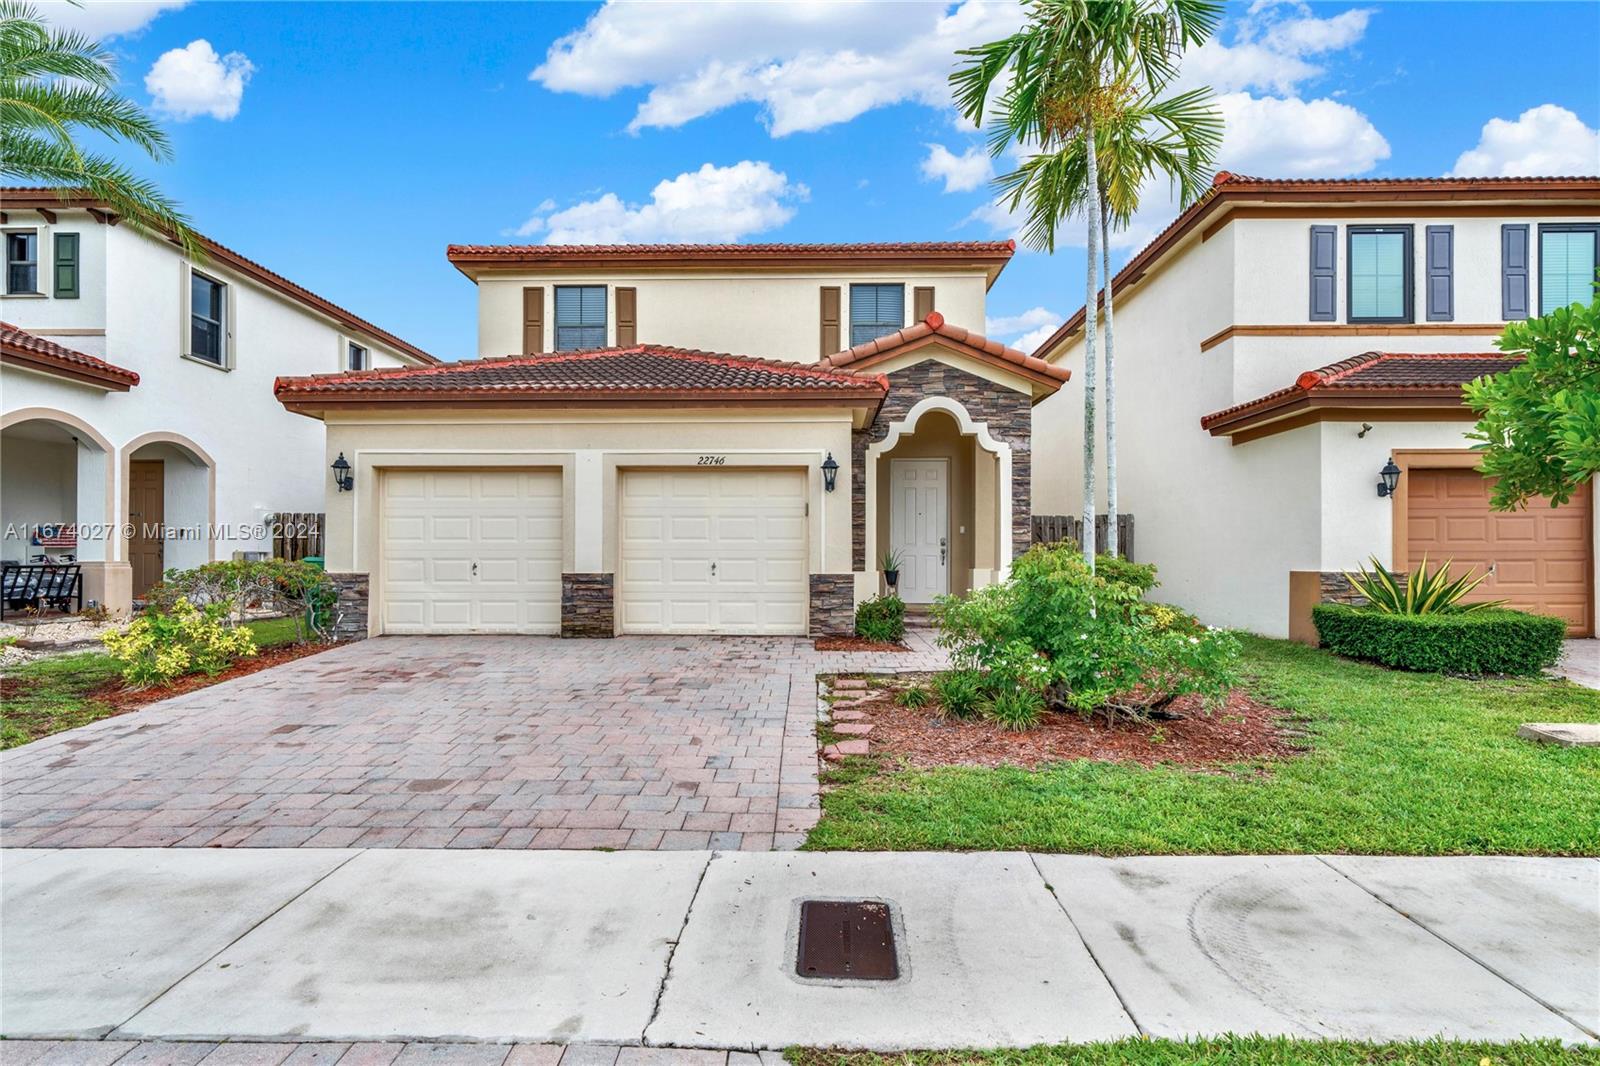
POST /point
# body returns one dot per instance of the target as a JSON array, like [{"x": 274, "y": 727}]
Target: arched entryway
[{"x": 169, "y": 504}]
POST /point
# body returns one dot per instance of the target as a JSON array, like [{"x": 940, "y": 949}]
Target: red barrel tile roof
[
  {"x": 19, "y": 347},
  {"x": 935, "y": 326}
]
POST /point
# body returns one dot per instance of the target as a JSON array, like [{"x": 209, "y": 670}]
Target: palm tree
[
  {"x": 1067, "y": 69},
  {"x": 54, "y": 83}
]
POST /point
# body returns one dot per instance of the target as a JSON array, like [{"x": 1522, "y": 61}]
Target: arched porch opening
[{"x": 169, "y": 500}]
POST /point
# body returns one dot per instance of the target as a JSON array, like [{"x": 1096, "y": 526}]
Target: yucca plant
[{"x": 1422, "y": 591}]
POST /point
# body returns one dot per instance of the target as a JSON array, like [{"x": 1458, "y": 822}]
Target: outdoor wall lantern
[
  {"x": 1390, "y": 478},
  {"x": 830, "y": 472},
  {"x": 342, "y": 476}
]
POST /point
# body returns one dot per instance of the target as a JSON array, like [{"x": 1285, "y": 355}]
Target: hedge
[
  {"x": 1473, "y": 642},
  {"x": 882, "y": 618}
]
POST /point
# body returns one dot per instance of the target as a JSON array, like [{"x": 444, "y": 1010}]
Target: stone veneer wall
[
  {"x": 588, "y": 605},
  {"x": 351, "y": 606},
  {"x": 833, "y": 605},
  {"x": 1336, "y": 588},
  {"x": 1008, "y": 414}
]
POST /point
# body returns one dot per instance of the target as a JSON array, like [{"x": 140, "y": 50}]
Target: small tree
[{"x": 1540, "y": 422}]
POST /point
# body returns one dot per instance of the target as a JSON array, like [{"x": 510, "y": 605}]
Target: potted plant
[{"x": 890, "y": 565}]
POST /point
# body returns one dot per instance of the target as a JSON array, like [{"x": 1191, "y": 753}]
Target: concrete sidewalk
[{"x": 697, "y": 949}]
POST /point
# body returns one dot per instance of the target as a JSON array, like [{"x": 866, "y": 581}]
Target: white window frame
[
  {"x": 349, "y": 343},
  {"x": 185, "y": 319},
  {"x": 40, "y": 238}
]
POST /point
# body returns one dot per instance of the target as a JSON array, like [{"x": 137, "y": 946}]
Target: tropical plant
[
  {"x": 55, "y": 83},
  {"x": 1070, "y": 68},
  {"x": 1421, "y": 591},
  {"x": 1017, "y": 709},
  {"x": 913, "y": 697},
  {"x": 296, "y": 590},
  {"x": 1540, "y": 422},
  {"x": 882, "y": 618},
  {"x": 889, "y": 560},
  {"x": 185, "y": 639},
  {"x": 960, "y": 693}
]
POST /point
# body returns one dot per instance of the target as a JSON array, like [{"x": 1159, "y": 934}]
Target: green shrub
[
  {"x": 882, "y": 618},
  {"x": 1017, "y": 709},
  {"x": 161, "y": 645},
  {"x": 1469, "y": 642},
  {"x": 1088, "y": 642},
  {"x": 960, "y": 692},
  {"x": 913, "y": 697},
  {"x": 1120, "y": 571},
  {"x": 297, "y": 590}
]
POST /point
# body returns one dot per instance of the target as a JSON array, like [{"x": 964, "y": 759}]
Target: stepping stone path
[
  {"x": 850, "y": 723},
  {"x": 849, "y": 716},
  {"x": 843, "y": 748},
  {"x": 856, "y": 729}
]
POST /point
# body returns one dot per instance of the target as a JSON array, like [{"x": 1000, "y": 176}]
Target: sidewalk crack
[
  {"x": 666, "y": 973},
  {"x": 1115, "y": 991}
]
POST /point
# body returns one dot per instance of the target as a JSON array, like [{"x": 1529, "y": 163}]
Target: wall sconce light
[
  {"x": 342, "y": 476},
  {"x": 1390, "y": 478},
  {"x": 830, "y": 472}
]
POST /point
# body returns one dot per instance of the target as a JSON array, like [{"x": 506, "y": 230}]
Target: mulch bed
[
  {"x": 1241, "y": 730},
  {"x": 856, "y": 644},
  {"x": 127, "y": 699}
]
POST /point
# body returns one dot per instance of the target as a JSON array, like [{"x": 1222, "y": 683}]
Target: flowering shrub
[
  {"x": 161, "y": 645},
  {"x": 1083, "y": 641},
  {"x": 297, "y": 590}
]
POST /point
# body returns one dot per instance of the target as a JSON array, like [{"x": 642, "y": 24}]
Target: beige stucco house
[
  {"x": 685, "y": 439},
  {"x": 1281, "y": 342}
]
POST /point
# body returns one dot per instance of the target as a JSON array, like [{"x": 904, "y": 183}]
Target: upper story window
[
  {"x": 875, "y": 311},
  {"x": 1567, "y": 259},
  {"x": 22, "y": 262},
  {"x": 1378, "y": 262},
  {"x": 356, "y": 357},
  {"x": 208, "y": 319},
  {"x": 580, "y": 317}
]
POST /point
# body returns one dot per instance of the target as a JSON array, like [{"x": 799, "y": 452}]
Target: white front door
[
  {"x": 919, "y": 526},
  {"x": 713, "y": 551}
]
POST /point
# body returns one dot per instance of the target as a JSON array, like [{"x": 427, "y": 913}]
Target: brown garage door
[{"x": 1538, "y": 559}]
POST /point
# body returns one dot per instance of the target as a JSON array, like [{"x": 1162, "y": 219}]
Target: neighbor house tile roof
[
  {"x": 645, "y": 372},
  {"x": 935, "y": 329},
  {"x": 1228, "y": 189},
  {"x": 21, "y": 348},
  {"x": 1374, "y": 376},
  {"x": 21, "y": 198}
]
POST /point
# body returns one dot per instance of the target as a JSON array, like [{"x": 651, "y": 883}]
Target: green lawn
[
  {"x": 1399, "y": 763},
  {"x": 1228, "y": 1051},
  {"x": 50, "y": 695}
]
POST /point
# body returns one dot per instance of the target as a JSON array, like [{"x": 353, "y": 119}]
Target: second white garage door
[
  {"x": 713, "y": 551},
  {"x": 471, "y": 551}
]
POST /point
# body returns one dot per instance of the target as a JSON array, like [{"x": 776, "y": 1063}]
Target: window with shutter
[
  {"x": 1378, "y": 265},
  {"x": 532, "y": 321},
  {"x": 1324, "y": 273},
  {"x": 22, "y": 262},
  {"x": 1514, "y": 273},
  {"x": 580, "y": 317},
  {"x": 876, "y": 311},
  {"x": 66, "y": 272},
  {"x": 1441, "y": 254},
  {"x": 1567, "y": 264}
]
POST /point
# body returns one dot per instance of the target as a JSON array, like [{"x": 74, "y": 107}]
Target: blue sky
[{"x": 345, "y": 144}]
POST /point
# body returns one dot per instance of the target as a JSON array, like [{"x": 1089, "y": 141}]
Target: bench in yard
[{"x": 41, "y": 585}]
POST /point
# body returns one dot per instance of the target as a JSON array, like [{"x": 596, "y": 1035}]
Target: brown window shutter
[
  {"x": 921, "y": 302},
  {"x": 532, "y": 321},
  {"x": 627, "y": 327},
  {"x": 830, "y": 319}
]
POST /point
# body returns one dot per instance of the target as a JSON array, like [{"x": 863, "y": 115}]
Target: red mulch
[
  {"x": 127, "y": 699},
  {"x": 857, "y": 644},
  {"x": 1241, "y": 730}
]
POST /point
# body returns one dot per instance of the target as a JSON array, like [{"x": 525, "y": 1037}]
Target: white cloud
[
  {"x": 960, "y": 173},
  {"x": 105, "y": 18},
  {"x": 1029, "y": 342},
  {"x": 806, "y": 64},
  {"x": 1293, "y": 138},
  {"x": 1543, "y": 140},
  {"x": 194, "y": 80},
  {"x": 1026, "y": 331},
  {"x": 709, "y": 205}
]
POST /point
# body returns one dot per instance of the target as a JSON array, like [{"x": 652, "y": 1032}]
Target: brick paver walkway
[{"x": 460, "y": 742}]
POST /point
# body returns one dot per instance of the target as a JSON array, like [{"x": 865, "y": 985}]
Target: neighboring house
[
  {"x": 139, "y": 431},
  {"x": 607, "y": 467},
  {"x": 1280, "y": 343}
]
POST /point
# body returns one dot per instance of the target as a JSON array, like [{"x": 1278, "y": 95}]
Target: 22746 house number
[{"x": 713, "y": 460}]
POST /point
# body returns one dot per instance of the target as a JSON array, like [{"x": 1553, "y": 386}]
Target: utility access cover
[{"x": 850, "y": 939}]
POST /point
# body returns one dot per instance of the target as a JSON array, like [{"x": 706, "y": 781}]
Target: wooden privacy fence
[
  {"x": 1054, "y": 528},
  {"x": 296, "y": 535}
]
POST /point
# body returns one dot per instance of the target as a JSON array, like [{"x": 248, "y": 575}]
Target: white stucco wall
[
  {"x": 773, "y": 316},
  {"x": 40, "y": 481}
]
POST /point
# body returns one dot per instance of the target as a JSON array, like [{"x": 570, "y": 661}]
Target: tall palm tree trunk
[
  {"x": 1111, "y": 391},
  {"x": 1092, "y": 211}
]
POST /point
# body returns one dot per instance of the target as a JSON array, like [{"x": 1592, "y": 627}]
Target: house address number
[{"x": 713, "y": 460}]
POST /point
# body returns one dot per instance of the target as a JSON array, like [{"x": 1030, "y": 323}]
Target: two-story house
[
  {"x": 685, "y": 439},
  {"x": 1281, "y": 343},
  {"x": 139, "y": 432}
]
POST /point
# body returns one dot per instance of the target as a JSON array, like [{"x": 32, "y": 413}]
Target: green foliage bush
[
  {"x": 1017, "y": 709},
  {"x": 295, "y": 589},
  {"x": 913, "y": 697},
  {"x": 960, "y": 692},
  {"x": 1473, "y": 642},
  {"x": 1086, "y": 641},
  {"x": 882, "y": 618},
  {"x": 161, "y": 645},
  {"x": 1120, "y": 571}
]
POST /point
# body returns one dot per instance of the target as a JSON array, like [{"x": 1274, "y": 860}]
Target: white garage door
[
  {"x": 713, "y": 551},
  {"x": 471, "y": 551}
]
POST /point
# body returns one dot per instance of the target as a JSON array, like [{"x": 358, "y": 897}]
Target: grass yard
[
  {"x": 1398, "y": 763},
  {"x": 49, "y": 695},
  {"x": 1228, "y": 1051}
]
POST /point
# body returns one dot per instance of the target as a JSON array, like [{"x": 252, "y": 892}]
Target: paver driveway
[{"x": 462, "y": 742}]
